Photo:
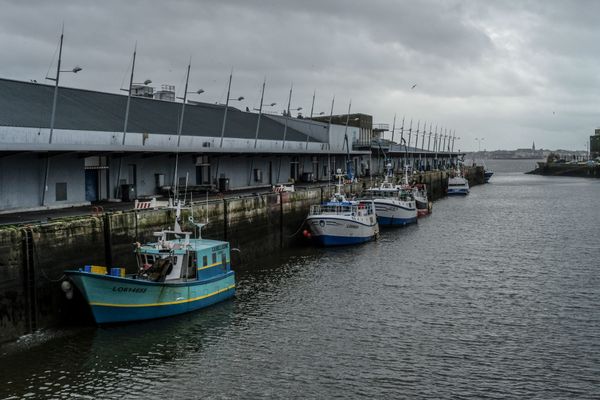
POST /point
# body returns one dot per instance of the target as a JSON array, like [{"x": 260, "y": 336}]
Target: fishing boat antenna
[
  {"x": 180, "y": 127},
  {"x": 187, "y": 175}
]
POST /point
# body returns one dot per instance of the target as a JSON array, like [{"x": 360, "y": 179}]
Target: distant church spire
[{"x": 533, "y": 146}]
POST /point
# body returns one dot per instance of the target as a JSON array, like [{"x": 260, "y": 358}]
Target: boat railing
[{"x": 361, "y": 209}]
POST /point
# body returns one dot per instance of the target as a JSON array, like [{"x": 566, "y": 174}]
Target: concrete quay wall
[
  {"x": 33, "y": 257},
  {"x": 558, "y": 169}
]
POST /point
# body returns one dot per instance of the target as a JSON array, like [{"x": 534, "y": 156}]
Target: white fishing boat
[
  {"x": 394, "y": 204},
  {"x": 458, "y": 184},
  {"x": 340, "y": 221}
]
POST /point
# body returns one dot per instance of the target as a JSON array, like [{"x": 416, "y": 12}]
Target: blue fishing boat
[
  {"x": 395, "y": 205},
  {"x": 176, "y": 274}
]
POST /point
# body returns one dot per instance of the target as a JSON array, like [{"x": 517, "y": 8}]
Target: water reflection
[{"x": 492, "y": 296}]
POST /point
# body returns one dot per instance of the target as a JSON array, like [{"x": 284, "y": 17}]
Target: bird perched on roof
[{"x": 413, "y": 86}]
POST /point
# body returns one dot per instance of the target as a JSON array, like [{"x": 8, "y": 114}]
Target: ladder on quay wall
[{"x": 30, "y": 284}]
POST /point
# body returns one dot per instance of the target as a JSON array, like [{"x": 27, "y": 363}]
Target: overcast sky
[{"x": 511, "y": 72}]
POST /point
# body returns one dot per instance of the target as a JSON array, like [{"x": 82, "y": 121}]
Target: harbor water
[{"x": 494, "y": 295}]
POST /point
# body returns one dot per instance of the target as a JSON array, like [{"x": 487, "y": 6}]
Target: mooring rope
[{"x": 295, "y": 233}]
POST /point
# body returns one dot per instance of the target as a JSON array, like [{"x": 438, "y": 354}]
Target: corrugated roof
[{"x": 26, "y": 104}]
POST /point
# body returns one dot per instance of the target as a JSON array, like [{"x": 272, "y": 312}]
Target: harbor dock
[{"x": 33, "y": 256}]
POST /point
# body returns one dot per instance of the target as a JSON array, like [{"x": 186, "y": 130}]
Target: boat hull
[
  {"x": 392, "y": 213},
  {"x": 458, "y": 186},
  {"x": 342, "y": 230},
  {"x": 115, "y": 299},
  {"x": 487, "y": 175},
  {"x": 421, "y": 204},
  {"x": 458, "y": 192}
]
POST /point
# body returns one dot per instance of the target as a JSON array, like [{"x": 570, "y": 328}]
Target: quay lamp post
[
  {"x": 289, "y": 110},
  {"x": 74, "y": 70},
  {"x": 128, "y": 90},
  {"x": 240, "y": 98},
  {"x": 180, "y": 127},
  {"x": 56, "y": 80},
  {"x": 259, "y": 109}
]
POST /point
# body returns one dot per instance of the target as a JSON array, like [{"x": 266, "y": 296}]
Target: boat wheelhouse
[{"x": 419, "y": 192}]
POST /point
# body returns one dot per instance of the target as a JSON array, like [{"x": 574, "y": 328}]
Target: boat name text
[{"x": 128, "y": 289}]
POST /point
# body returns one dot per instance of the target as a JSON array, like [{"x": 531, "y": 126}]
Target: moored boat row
[
  {"x": 340, "y": 221},
  {"x": 179, "y": 273}
]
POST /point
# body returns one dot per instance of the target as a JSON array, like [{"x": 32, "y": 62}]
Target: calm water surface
[{"x": 496, "y": 295}]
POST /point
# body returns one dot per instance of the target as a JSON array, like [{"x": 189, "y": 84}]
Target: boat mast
[
  {"x": 348, "y": 168},
  {"x": 179, "y": 129}
]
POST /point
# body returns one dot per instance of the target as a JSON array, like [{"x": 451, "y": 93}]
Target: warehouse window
[
  {"x": 61, "y": 191},
  {"x": 258, "y": 176}
]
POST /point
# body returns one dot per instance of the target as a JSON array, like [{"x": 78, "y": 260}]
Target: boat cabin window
[
  {"x": 204, "y": 261},
  {"x": 214, "y": 258},
  {"x": 223, "y": 261},
  {"x": 191, "y": 267},
  {"x": 155, "y": 267}
]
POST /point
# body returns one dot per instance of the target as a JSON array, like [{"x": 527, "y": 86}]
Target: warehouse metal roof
[{"x": 27, "y": 104}]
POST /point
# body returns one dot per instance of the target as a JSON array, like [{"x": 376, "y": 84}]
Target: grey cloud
[{"x": 496, "y": 69}]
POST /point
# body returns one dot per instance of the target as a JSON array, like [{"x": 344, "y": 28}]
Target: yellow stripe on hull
[{"x": 166, "y": 303}]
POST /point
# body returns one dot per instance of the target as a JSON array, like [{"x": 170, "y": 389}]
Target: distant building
[
  {"x": 166, "y": 93},
  {"x": 595, "y": 144},
  {"x": 142, "y": 91}
]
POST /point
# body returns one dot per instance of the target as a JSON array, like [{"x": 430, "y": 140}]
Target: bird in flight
[{"x": 413, "y": 86}]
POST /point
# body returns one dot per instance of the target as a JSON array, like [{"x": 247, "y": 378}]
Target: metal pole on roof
[
  {"x": 409, "y": 133},
  {"x": 126, "y": 119},
  {"x": 453, "y": 139},
  {"x": 402, "y": 132},
  {"x": 443, "y": 140},
  {"x": 429, "y": 138},
  {"x": 262, "y": 96},
  {"x": 393, "y": 128},
  {"x": 53, "y": 115},
  {"x": 288, "y": 116},
  {"x": 417, "y": 134},
  {"x": 129, "y": 95},
  {"x": 329, "y": 144},
  {"x": 226, "y": 107}
]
